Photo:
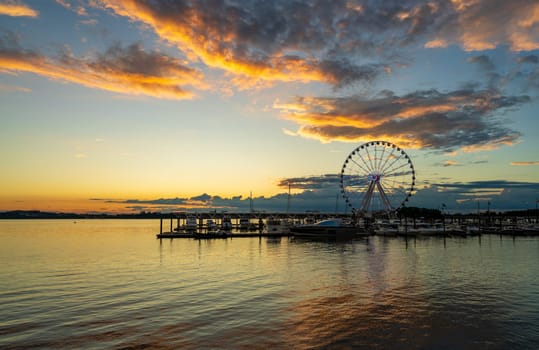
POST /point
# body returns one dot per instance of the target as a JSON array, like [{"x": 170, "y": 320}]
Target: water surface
[{"x": 95, "y": 284}]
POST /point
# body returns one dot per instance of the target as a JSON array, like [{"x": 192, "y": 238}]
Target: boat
[
  {"x": 226, "y": 223},
  {"x": 244, "y": 223},
  {"x": 190, "y": 224},
  {"x": 218, "y": 233},
  {"x": 211, "y": 225},
  {"x": 531, "y": 229},
  {"x": 277, "y": 226},
  {"x": 330, "y": 228},
  {"x": 387, "y": 227}
]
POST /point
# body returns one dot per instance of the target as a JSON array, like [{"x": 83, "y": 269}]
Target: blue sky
[{"x": 109, "y": 105}]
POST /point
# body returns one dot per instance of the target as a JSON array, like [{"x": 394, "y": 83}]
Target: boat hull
[
  {"x": 212, "y": 235},
  {"x": 327, "y": 232}
]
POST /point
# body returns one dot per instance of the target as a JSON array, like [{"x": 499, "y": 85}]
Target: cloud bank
[
  {"x": 125, "y": 70},
  {"x": 422, "y": 119},
  {"x": 322, "y": 193},
  {"x": 321, "y": 40},
  {"x": 344, "y": 45}
]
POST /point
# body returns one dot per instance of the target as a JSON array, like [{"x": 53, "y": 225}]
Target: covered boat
[{"x": 329, "y": 228}]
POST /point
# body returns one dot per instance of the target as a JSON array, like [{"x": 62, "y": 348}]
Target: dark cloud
[
  {"x": 322, "y": 193},
  {"x": 342, "y": 72},
  {"x": 310, "y": 182},
  {"x": 133, "y": 59},
  {"x": 336, "y": 42},
  {"x": 272, "y": 40},
  {"x": 11, "y": 48},
  {"x": 432, "y": 119},
  {"x": 483, "y": 61},
  {"x": 489, "y": 184},
  {"x": 533, "y": 59},
  {"x": 486, "y": 24}
]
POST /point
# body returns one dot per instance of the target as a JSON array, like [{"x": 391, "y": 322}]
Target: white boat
[
  {"x": 190, "y": 224},
  {"x": 244, "y": 223},
  {"x": 277, "y": 226},
  {"x": 425, "y": 229},
  {"x": 226, "y": 223},
  {"x": 531, "y": 229},
  {"x": 211, "y": 226},
  {"x": 387, "y": 227},
  {"x": 330, "y": 228}
]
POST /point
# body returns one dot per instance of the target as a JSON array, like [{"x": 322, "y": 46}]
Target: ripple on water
[{"x": 117, "y": 287}]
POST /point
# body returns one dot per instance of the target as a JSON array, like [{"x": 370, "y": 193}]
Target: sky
[{"x": 150, "y": 105}]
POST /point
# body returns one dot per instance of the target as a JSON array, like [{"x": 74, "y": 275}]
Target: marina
[{"x": 244, "y": 225}]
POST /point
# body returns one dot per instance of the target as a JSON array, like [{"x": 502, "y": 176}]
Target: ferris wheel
[{"x": 377, "y": 176}]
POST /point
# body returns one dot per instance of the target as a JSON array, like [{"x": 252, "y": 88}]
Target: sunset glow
[{"x": 124, "y": 106}]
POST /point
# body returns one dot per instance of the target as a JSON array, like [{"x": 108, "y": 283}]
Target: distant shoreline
[
  {"x": 35, "y": 214},
  {"x": 422, "y": 212}
]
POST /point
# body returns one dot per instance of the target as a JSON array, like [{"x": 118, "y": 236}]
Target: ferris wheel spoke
[
  {"x": 379, "y": 168},
  {"x": 390, "y": 165},
  {"x": 375, "y": 158},
  {"x": 367, "y": 171},
  {"x": 397, "y": 167},
  {"x": 397, "y": 184},
  {"x": 402, "y": 173},
  {"x": 367, "y": 164},
  {"x": 390, "y": 156},
  {"x": 369, "y": 157}
]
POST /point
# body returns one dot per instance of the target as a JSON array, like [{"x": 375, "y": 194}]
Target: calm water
[{"x": 110, "y": 284}]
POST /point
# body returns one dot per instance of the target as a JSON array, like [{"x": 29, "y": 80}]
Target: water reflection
[
  {"x": 101, "y": 285},
  {"x": 389, "y": 305}
]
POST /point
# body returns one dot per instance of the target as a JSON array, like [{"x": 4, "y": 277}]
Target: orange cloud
[
  {"x": 121, "y": 70},
  {"x": 16, "y": 9},
  {"x": 436, "y": 43},
  {"x": 525, "y": 163},
  {"x": 325, "y": 135},
  {"x": 236, "y": 42},
  {"x": 508, "y": 140},
  {"x": 192, "y": 36},
  {"x": 479, "y": 26},
  {"x": 423, "y": 119}
]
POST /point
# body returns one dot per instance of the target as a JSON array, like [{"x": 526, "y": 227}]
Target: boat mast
[{"x": 288, "y": 200}]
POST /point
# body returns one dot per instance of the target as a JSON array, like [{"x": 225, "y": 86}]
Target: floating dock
[{"x": 212, "y": 236}]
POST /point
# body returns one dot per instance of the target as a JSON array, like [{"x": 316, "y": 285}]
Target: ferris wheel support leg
[
  {"x": 387, "y": 204},
  {"x": 368, "y": 195}
]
